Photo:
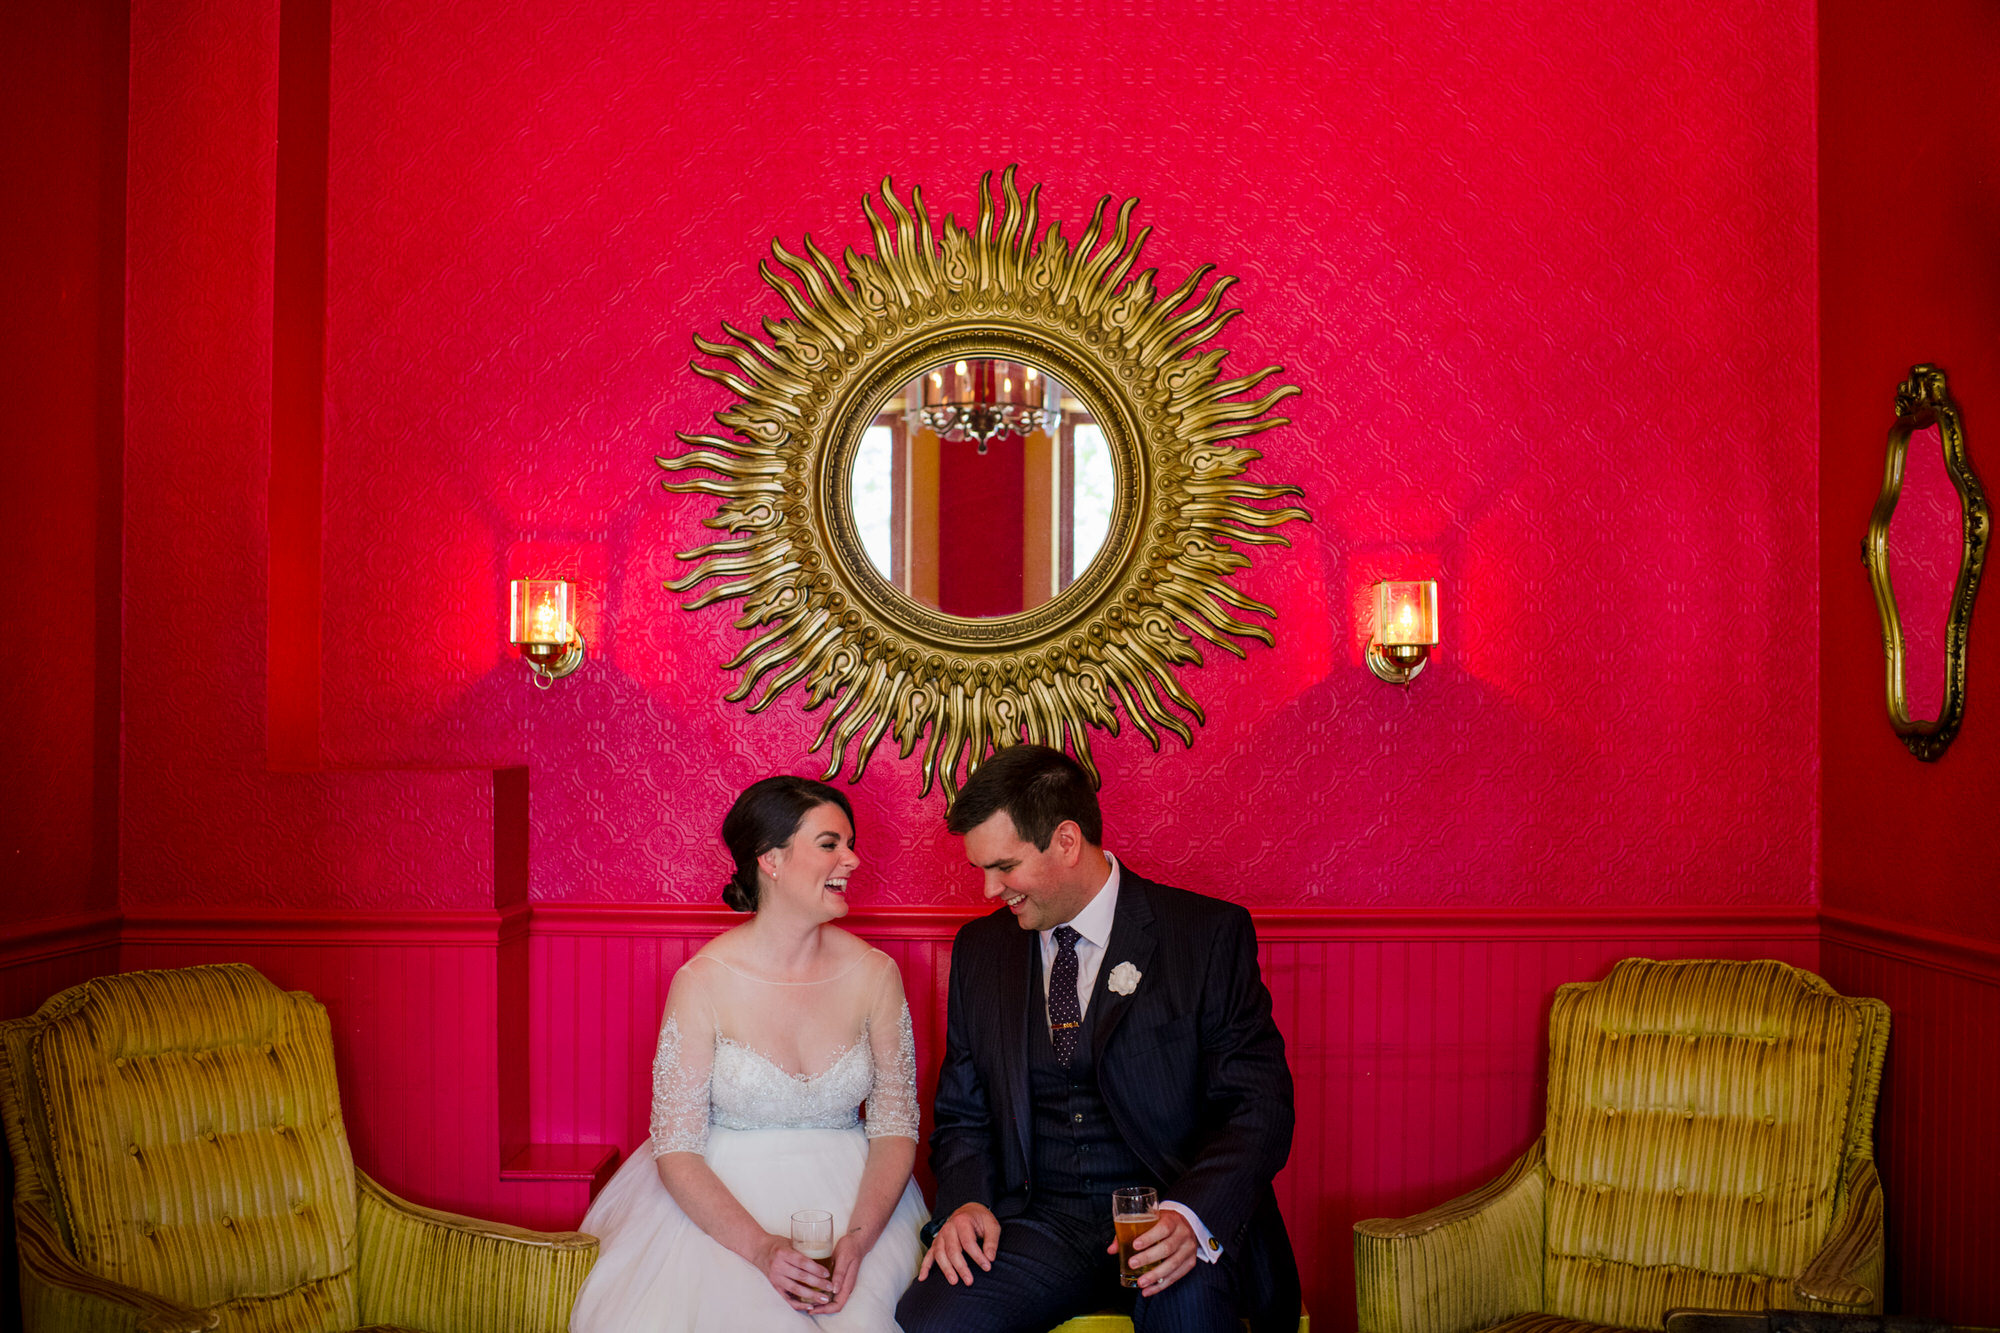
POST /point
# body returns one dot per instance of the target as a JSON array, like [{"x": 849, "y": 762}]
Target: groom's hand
[
  {"x": 1170, "y": 1247},
  {"x": 972, "y": 1230}
]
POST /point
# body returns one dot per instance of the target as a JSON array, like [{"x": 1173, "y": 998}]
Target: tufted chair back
[
  {"x": 195, "y": 1145},
  {"x": 1705, "y": 1119}
]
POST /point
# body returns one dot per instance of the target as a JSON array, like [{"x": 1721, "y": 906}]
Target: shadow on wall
[{"x": 1334, "y": 761}]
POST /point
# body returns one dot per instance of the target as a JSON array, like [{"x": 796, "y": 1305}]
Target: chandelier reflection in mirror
[
  {"x": 982, "y": 399},
  {"x": 1105, "y": 583},
  {"x": 987, "y": 532}
]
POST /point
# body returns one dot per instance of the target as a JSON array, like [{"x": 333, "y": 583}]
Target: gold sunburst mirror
[
  {"x": 983, "y": 486},
  {"x": 1924, "y": 407}
]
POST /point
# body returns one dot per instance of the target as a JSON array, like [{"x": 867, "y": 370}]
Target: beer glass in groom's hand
[{"x": 1134, "y": 1212}]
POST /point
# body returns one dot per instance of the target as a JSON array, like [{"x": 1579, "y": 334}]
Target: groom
[{"x": 1113, "y": 1032}]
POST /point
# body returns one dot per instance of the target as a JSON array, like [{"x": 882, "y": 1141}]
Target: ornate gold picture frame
[
  {"x": 883, "y": 663},
  {"x": 1924, "y": 400}
]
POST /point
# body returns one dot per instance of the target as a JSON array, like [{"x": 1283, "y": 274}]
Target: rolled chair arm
[
  {"x": 58, "y": 1295},
  {"x": 1465, "y": 1265},
  {"x": 445, "y": 1273},
  {"x": 1845, "y": 1277}
]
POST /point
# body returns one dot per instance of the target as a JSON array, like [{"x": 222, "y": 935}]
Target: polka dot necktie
[{"x": 1065, "y": 1015}]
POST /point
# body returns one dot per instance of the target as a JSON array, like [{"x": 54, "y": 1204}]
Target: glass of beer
[
  {"x": 812, "y": 1236},
  {"x": 1134, "y": 1212}
]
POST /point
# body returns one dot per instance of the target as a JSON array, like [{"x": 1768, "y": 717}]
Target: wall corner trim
[
  {"x": 1963, "y": 955},
  {"x": 57, "y": 937}
]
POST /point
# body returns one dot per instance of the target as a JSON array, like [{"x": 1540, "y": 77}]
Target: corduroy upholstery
[
  {"x": 180, "y": 1163},
  {"x": 1709, "y": 1143},
  {"x": 1118, "y": 1323}
]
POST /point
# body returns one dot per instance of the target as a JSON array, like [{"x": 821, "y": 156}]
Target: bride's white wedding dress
[{"x": 764, "y": 1079}]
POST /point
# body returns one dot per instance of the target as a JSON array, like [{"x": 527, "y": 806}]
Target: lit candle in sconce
[
  {"x": 1406, "y": 625},
  {"x": 958, "y": 389},
  {"x": 541, "y": 624},
  {"x": 935, "y": 393}
]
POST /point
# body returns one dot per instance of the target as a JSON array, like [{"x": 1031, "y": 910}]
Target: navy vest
[{"x": 1079, "y": 1156}]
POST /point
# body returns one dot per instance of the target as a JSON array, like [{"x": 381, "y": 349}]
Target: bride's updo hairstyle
[{"x": 766, "y": 815}]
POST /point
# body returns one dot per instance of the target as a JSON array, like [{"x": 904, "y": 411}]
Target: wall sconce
[
  {"x": 541, "y": 619},
  {"x": 1406, "y": 625}
]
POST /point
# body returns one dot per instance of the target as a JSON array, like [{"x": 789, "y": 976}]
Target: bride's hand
[
  {"x": 802, "y": 1283},
  {"x": 848, "y": 1252}
]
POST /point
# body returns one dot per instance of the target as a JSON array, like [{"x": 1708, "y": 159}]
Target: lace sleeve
[
  {"x": 892, "y": 1102},
  {"x": 681, "y": 1069}
]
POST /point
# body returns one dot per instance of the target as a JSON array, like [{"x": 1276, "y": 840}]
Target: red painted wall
[
  {"x": 62, "y": 140},
  {"x": 1909, "y": 206}
]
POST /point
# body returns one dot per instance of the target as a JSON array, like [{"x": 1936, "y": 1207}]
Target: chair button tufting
[
  {"x": 1680, "y": 1192},
  {"x": 1757, "y": 1198},
  {"x": 229, "y": 1223},
  {"x": 210, "y": 1137},
  {"x": 119, "y": 1063},
  {"x": 299, "y": 1208},
  {"x": 132, "y": 1149}
]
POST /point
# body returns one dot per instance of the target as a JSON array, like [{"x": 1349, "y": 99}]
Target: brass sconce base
[
  {"x": 552, "y": 661},
  {"x": 1397, "y": 664}
]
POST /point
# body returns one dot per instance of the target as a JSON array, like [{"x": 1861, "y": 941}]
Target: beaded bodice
[{"x": 703, "y": 1075}]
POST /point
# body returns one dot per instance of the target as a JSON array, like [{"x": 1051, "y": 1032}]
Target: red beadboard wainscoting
[
  {"x": 1416, "y": 1037},
  {"x": 1939, "y": 1154},
  {"x": 39, "y": 958}
]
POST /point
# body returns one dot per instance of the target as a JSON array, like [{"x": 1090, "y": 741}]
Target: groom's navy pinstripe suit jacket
[{"x": 1190, "y": 1065}]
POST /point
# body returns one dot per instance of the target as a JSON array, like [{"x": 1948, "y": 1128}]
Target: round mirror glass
[
  {"x": 983, "y": 488},
  {"x": 1926, "y": 539}
]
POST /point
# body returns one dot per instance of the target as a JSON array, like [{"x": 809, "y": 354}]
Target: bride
[{"x": 774, "y": 1035}]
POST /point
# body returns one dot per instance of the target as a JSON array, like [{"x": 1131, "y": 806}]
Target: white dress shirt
[{"x": 1093, "y": 928}]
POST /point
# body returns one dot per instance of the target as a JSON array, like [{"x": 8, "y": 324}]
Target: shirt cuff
[{"x": 1206, "y": 1247}]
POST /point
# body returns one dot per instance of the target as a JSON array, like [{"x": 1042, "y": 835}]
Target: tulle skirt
[{"x": 657, "y": 1272}]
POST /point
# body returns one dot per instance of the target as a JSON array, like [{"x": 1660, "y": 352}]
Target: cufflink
[{"x": 1214, "y": 1244}]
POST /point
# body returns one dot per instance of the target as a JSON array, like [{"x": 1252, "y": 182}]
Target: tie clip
[{"x": 1063, "y": 1027}]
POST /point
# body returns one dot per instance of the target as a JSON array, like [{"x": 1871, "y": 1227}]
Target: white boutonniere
[{"x": 1124, "y": 979}]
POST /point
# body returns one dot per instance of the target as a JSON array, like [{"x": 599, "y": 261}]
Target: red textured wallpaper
[
  {"x": 1546, "y": 280},
  {"x": 204, "y": 820},
  {"x": 62, "y": 139},
  {"x": 1909, "y": 208}
]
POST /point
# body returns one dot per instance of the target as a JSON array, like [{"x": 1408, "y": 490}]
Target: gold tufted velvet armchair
[
  {"x": 180, "y": 1163},
  {"x": 1709, "y": 1143}
]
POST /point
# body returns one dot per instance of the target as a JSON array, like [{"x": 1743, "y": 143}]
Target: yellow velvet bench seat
[{"x": 1106, "y": 1322}]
